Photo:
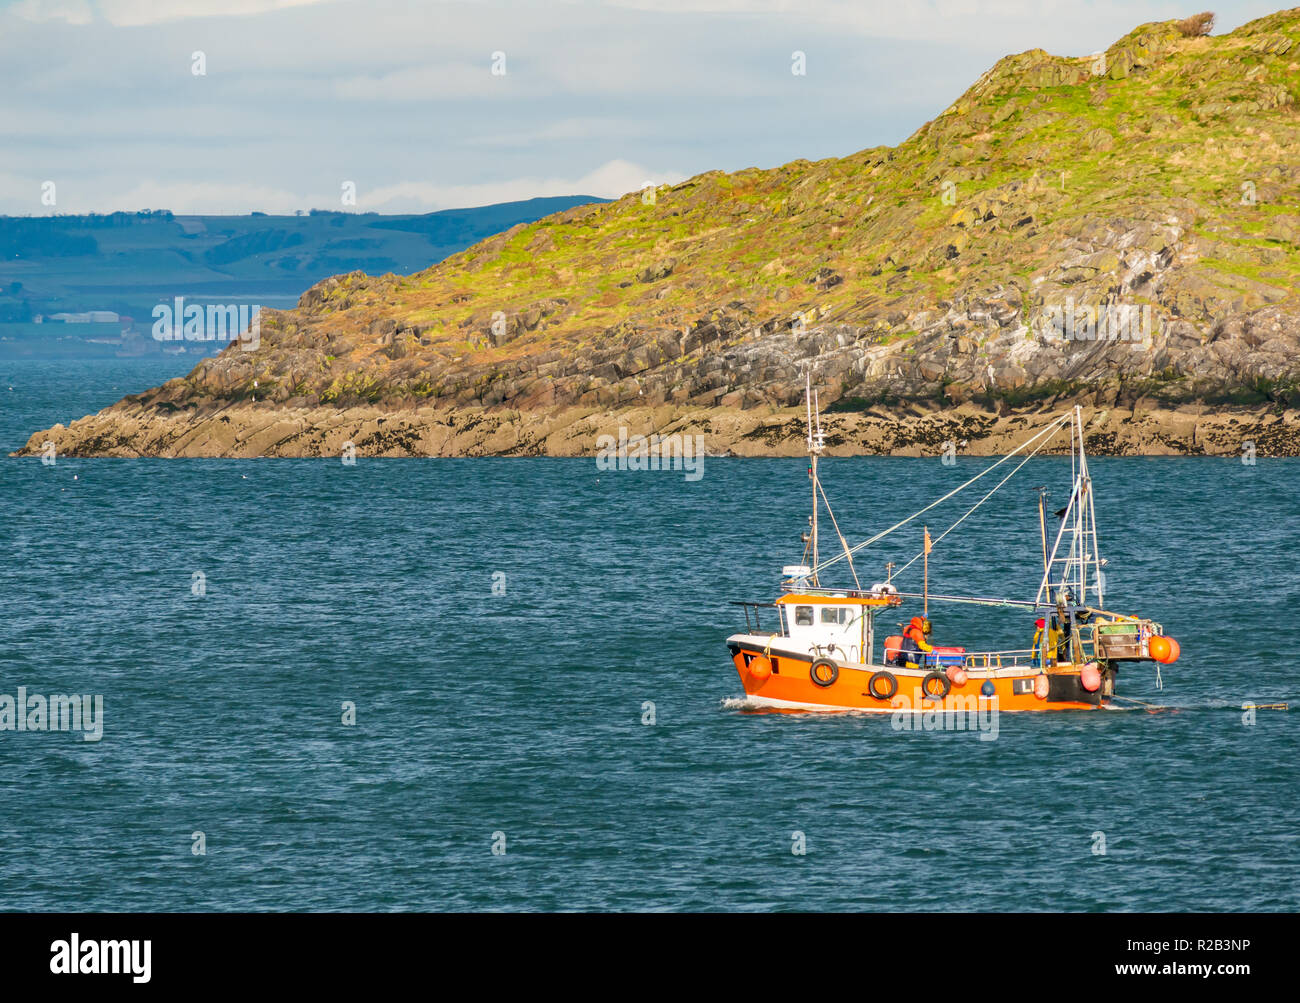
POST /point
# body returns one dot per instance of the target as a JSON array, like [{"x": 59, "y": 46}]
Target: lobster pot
[{"x": 1118, "y": 640}]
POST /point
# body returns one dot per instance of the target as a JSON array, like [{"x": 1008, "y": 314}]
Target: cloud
[
  {"x": 609, "y": 180},
  {"x": 399, "y": 96},
  {"x": 566, "y": 130},
  {"x": 426, "y": 83},
  {"x": 129, "y": 13},
  {"x": 192, "y": 197},
  {"x": 1019, "y": 24},
  {"x": 68, "y": 11}
]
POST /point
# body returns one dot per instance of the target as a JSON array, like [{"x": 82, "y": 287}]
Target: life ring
[
  {"x": 819, "y": 663},
  {"x": 888, "y": 679},
  {"x": 938, "y": 677}
]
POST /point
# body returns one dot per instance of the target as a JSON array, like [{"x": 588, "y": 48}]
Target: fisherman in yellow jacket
[{"x": 1045, "y": 647}]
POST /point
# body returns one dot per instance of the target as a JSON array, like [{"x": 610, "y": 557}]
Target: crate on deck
[
  {"x": 1118, "y": 640},
  {"x": 946, "y": 655}
]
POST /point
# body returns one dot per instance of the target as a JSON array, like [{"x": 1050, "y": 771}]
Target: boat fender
[
  {"x": 1041, "y": 687},
  {"x": 935, "y": 677},
  {"x": 956, "y": 675},
  {"x": 1090, "y": 677},
  {"x": 829, "y": 665},
  {"x": 988, "y": 689},
  {"x": 759, "y": 668},
  {"x": 882, "y": 678}
]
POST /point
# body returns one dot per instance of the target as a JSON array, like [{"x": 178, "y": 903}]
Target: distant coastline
[{"x": 61, "y": 268}]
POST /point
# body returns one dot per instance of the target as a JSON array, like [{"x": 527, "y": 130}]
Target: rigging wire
[
  {"x": 843, "y": 542},
  {"x": 993, "y": 603},
  {"x": 1051, "y": 429},
  {"x": 970, "y": 510}
]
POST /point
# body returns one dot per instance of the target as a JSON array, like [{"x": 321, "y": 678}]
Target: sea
[{"x": 502, "y": 684}]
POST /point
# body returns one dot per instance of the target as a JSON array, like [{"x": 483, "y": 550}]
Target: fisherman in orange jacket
[{"x": 915, "y": 645}]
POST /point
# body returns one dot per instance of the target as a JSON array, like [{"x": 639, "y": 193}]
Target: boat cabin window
[
  {"x": 803, "y": 616},
  {"x": 836, "y": 614}
]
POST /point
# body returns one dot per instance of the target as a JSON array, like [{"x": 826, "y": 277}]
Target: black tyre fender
[
  {"x": 941, "y": 677},
  {"x": 889, "y": 680},
  {"x": 835, "y": 671}
]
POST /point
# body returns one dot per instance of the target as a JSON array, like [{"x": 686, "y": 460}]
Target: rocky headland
[{"x": 1120, "y": 232}]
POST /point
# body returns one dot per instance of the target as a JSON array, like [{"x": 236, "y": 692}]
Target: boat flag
[{"x": 928, "y": 544}]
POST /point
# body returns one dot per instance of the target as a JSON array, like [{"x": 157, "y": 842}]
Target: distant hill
[{"x": 125, "y": 263}]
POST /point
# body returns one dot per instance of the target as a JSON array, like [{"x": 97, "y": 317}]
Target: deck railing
[
  {"x": 756, "y": 627},
  {"x": 1014, "y": 658}
]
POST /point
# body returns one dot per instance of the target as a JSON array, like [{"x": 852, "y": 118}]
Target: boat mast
[
  {"x": 1080, "y": 520},
  {"x": 1042, "y": 525},
  {"x": 1088, "y": 519},
  {"x": 925, "y": 549},
  {"x": 816, "y": 443},
  {"x": 1081, "y": 513}
]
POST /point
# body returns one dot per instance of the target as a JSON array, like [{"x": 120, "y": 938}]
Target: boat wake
[
  {"x": 1129, "y": 703},
  {"x": 751, "y": 704},
  {"x": 1120, "y": 704}
]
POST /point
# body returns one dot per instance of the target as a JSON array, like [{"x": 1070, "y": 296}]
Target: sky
[{"x": 421, "y": 105}]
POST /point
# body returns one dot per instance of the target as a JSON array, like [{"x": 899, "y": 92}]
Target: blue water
[{"x": 522, "y": 713}]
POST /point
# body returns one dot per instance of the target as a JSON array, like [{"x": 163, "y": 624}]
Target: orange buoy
[
  {"x": 760, "y": 668},
  {"x": 956, "y": 675},
  {"x": 1040, "y": 687},
  {"x": 1174, "y": 651},
  {"x": 1158, "y": 647},
  {"x": 1090, "y": 677}
]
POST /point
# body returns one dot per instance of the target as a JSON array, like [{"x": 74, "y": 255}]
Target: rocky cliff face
[{"x": 1121, "y": 231}]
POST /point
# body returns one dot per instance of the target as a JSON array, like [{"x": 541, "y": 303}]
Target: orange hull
[{"x": 790, "y": 685}]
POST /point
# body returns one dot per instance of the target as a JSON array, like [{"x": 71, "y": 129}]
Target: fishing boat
[{"x": 820, "y": 650}]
